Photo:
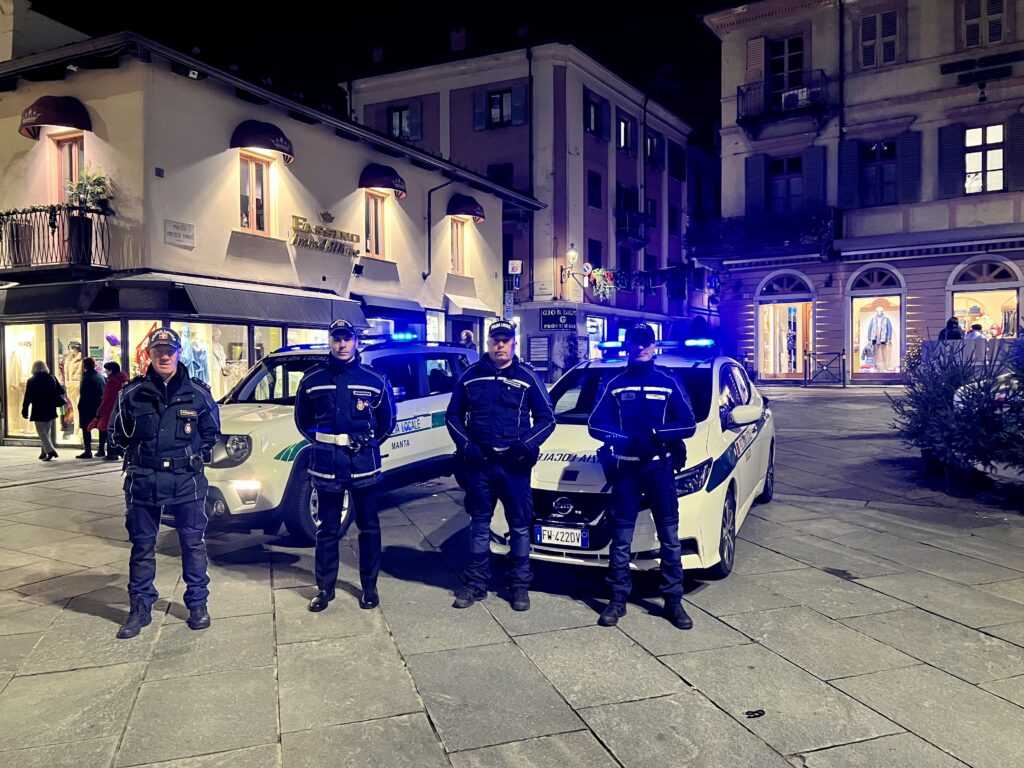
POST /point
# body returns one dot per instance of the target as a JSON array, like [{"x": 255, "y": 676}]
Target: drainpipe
[
  {"x": 842, "y": 70},
  {"x": 430, "y": 251},
  {"x": 530, "y": 214}
]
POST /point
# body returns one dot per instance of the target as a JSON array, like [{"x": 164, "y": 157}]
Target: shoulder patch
[
  {"x": 138, "y": 379},
  {"x": 201, "y": 383}
]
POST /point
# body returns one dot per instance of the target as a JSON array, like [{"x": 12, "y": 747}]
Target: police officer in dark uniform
[
  {"x": 166, "y": 423},
  {"x": 346, "y": 411},
  {"x": 498, "y": 416},
  {"x": 642, "y": 418}
]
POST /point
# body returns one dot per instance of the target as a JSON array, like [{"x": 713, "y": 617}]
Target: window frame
[
  {"x": 60, "y": 141},
  {"x": 789, "y": 175},
  {"x": 255, "y": 159},
  {"x": 376, "y": 221},
  {"x": 984, "y": 149},
  {"x": 458, "y": 265},
  {"x": 878, "y": 186},
  {"x": 900, "y": 38},
  {"x": 504, "y": 108},
  {"x": 400, "y": 111},
  {"x": 1009, "y": 22}
]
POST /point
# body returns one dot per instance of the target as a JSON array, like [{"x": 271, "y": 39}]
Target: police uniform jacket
[
  {"x": 496, "y": 407},
  {"x": 344, "y": 398},
  {"x": 642, "y": 409},
  {"x": 166, "y": 431}
]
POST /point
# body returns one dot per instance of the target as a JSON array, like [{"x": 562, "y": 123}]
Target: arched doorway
[
  {"x": 877, "y": 297},
  {"x": 986, "y": 291},
  {"x": 785, "y": 320}
]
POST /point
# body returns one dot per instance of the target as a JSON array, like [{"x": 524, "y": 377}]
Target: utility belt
[
  {"x": 195, "y": 461},
  {"x": 324, "y": 437}
]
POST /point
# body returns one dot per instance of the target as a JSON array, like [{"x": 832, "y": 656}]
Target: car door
[
  {"x": 402, "y": 370},
  {"x": 733, "y": 391}
]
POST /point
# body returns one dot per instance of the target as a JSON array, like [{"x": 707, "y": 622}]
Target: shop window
[
  {"x": 307, "y": 336},
  {"x": 871, "y": 279},
  {"x": 215, "y": 353},
  {"x": 983, "y": 159},
  {"x": 784, "y": 334},
  {"x": 785, "y": 285},
  {"x": 138, "y": 337},
  {"x": 597, "y": 331},
  {"x": 435, "y": 325},
  {"x": 985, "y": 272},
  {"x": 877, "y": 334},
  {"x": 376, "y": 206},
  {"x": 24, "y": 345},
  {"x": 104, "y": 342},
  {"x": 70, "y": 160},
  {"x": 254, "y": 195},
  {"x": 381, "y": 326},
  {"x": 996, "y": 311},
  {"x": 458, "y": 251},
  {"x": 266, "y": 339}
]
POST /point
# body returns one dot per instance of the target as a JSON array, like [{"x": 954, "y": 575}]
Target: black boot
[
  {"x": 675, "y": 613},
  {"x": 520, "y": 599},
  {"x": 370, "y": 598},
  {"x": 611, "y": 615},
  {"x": 466, "y": 596},
  {"x": 322, "y": 600},
  {"x": 198, "y": 617},
  {"x": 139, "y": 616}
]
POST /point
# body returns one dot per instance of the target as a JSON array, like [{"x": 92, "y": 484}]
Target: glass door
[{"x": 784, "y": 331}]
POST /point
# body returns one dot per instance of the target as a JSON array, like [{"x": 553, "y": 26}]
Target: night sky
[{"x": 305, "y": 49}]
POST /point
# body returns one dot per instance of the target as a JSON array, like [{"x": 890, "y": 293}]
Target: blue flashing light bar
[
  {"x": 301, "y": 347},
  {"x": 610, "y": 345},
  {"x": 699, "y": 343},
  {"x": 404, "y": 336}
]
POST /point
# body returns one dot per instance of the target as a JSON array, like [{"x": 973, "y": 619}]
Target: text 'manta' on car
[
  {"x": 730, "y": 464},
  {"x": 259, "y": 464}
]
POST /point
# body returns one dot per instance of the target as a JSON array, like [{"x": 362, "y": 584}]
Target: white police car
[
  {"x": 730, "y": 463},
  {"x": 259, "y": 464}
]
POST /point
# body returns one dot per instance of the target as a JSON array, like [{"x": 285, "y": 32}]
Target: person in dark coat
[
  {"x": 43, "y": 394},
  {"x": 89, "y": 398},
  {"x": 116, "y": 381},
  {"x": 952, "y": 331}
]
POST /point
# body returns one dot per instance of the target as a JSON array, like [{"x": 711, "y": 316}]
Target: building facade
[
  {"x": 609, "y": 164},
  {"x": 241, "y": 220},
  {"x": 873, "y": 170}
]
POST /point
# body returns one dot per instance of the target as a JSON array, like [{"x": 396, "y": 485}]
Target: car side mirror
[{"x": 742, "y": 415}]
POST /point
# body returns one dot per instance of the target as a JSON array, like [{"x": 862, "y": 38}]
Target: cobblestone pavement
[{"x": 871, "y": 621}]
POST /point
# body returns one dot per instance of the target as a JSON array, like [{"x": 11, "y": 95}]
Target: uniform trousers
[{"x": 143, "y": 524}]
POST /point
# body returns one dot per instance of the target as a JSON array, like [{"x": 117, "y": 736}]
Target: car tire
[
  {"x": 727, "y": 540},
  {"x": 300, "y": 520},
  {"x": 768, "y": 492}
]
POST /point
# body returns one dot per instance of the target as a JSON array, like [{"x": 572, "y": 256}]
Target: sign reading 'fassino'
[{"x": 318, "y": 238}]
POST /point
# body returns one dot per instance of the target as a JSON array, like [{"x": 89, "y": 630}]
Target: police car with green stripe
[
  {"x": 259, "y": 465},
  {"x": 730, "y": 464}
]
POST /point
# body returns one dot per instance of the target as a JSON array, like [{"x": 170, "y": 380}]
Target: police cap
[
  {"x": 501, "y": 328},
  {"x": 640, "y": 334},
  {"x": 342, "y": 328},
  {"x": 163, "y": 337}
]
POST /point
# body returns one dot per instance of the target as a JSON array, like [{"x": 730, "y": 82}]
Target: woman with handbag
[
  {"x": 89, "y": 398},
  {"x": 116, "y": 380},
  {"x": 44, "y": 394}
]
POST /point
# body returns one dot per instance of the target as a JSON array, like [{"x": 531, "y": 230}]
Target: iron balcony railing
[
  {"x": 54, "y": 235},
  {"x": 768, "y": 233},
  {"x": 796, "y": 93},
  {"x": 633, "y": 227}
]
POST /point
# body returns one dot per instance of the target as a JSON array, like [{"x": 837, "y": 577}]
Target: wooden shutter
[
  {"x": 415, "y": 121},
  {"x": 755, "y": 60},
  {"x": 479, "y": 110},
  {"x": 755, "y": 169},
  {"x": 869, "y": 41},
  {"x": 1014, "y": 153},
  {"x": 814, "y": 178},
  {"x": 849, "y": 175},
  {"x": 908, "y": 167},
  {"x": 972, "y": 23},
  {"x": 889, "y": 28},
  {"x": 994, "y": 21},
  {"x": 518, "y": 105},
  {"x": 951, "y": 160}
]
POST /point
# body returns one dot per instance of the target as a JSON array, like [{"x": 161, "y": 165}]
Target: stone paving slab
[
  {"x": 14, "y": 648},
  {"x": 41, "y": 570},
  {"x": 265, "y": 756},
  {"x": 243, "y": 642},
  {"x": 76, "y": 584},
  {"x": 453, "y": 683},
  {"x": 337, "y": 681},
  {"x": 801, "y": 713},
  {"x": 659, "y": 637},
  {"x": 40, "y": 710},
  {"x": 998, "y": 552},
  {"x": 1012, "y": 633},
  {"x": 681, "y": 730},
  {"x": 235, "y": 596},
  {"x": 94, "y": 753},
  {"x": 343, "y": 617},
  {"x": 1011, "y": 590},
  {"x": 406, "y": 741},
  {"x": 592, "y": 666},
  {"x": 752, "y": 559},
  {"x": 548, "y": 612},
  {"x": 946, "y": 598},
  {"x": 835, "y": 597},
  {"x": 29, "y": 618},
  {"x": 89, "y": 551},
  {"x": 55, "y": 517},
  {"x": 902, "y": 749},
  {"x": 436, "y": 626},
  {"x": 822, "y": 646},
  {"x": 835, "y": 558},
  {"x": 1011, "y": 689},
  {"x": 736, "y": 594},
  {"x": 566, "y": 750},
  {"x": 10, "y": 558},
  {"x": 825, "y": 527},
  {"x": 759, "y": 530},
  {"x": 428, "y": 580},
  {"x": 201, "y": 714},
  {"x": 778, "y": 512},
  {"x": 967, "y": 653},
  {"x": 5, "y": 678},
  {"x": 975, "y": 726}
]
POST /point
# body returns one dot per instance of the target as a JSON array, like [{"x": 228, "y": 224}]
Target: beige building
[
  {"x": 873, "y": 170},
  {"x": 244, "y": 221}
]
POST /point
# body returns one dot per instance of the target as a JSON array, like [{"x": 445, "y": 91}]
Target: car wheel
[
  {"x": 727, "y": 540},
  {"x": 769, "y": 478},
  {"x": 302, "y": 515}
]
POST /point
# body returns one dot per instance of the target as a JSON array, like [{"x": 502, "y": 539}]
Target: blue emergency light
[
  {"x": 404, "y": 336},
  {"x": 699, "y": 343},
  {"x": 609, "y": 345}
]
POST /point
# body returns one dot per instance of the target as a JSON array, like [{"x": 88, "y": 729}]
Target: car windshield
[
  {"x": 275, "y": 380},
  {"x": 576, "y": 394}
]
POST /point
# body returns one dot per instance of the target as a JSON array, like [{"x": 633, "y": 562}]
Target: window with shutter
[
  {"x": 983, "y": 22},
  {"x": 879, "y": 39},
  {"x": 983, "y": 159},
  {"x": 877, "y": 173}
]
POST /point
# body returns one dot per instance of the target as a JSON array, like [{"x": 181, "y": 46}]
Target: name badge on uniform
[
  {"x": 187, "y": 414},
  {"x": 362, "y": 399}
]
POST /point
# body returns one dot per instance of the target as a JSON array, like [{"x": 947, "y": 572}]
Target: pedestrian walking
[
  {"x": 952, "y": 331},
  {"x": 166, "y": 422},
  {"x": 498, "y": 416},
  {"x": 642, "y": 418},
  {"x": 43, "y": 396},
  {"x": 977, "y": 332},
  {"x": 89, "y": 398},
  {"x": 346, "y": 410},
  {"x": 116, "y": 381}
]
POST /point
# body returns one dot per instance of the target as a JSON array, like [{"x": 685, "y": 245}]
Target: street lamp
[{"x": 571, "y": 257}]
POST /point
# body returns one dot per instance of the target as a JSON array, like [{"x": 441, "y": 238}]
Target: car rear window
[
  {"x": 576, "y": 394},
  {"x": 275, "y": 380}
]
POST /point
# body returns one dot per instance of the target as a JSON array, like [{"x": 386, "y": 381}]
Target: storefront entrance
[{"x": 784, "y": 333}]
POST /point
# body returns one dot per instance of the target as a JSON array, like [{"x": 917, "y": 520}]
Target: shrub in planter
[{"x": 91, "y": 191}]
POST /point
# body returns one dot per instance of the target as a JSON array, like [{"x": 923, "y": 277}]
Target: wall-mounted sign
[
  {"x": 179, "y": 233},
  {"x": 515, "y": 267},
  {"x": 558, "y": 319},
  {"x": 543, "y": 289},
  {"x": 318, "y": 238}
]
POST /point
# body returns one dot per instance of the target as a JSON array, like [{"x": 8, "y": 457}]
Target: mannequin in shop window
[
  {"x": 880, "y": 336},
  {"x": 976, "y": 332},
  {"x": 19, "y": 370},
  {"x": 71, "y": 366},
  {"x": 193, "y": 355}
]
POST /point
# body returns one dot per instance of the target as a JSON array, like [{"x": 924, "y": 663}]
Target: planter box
[{"x": 79, "y": 240}]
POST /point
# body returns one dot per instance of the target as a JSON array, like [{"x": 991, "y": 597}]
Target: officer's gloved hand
[
  {"x": 207, "y": 455},
  {"x": 473, "y": 454},
  {"x": 357, "y": 441},
  {"x": 520, "y": 453},
  {"x": 677, "y": 453}
]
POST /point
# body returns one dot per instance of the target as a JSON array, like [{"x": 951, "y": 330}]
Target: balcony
[
  {"x": 632, "y": 228},
  {"x": 53, "y": 236},
  {"x": 764, "y": 236},
  {"x": 805, "y": 95}
]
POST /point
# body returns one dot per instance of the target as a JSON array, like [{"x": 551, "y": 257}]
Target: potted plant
[{"x": 90, "y": 191}]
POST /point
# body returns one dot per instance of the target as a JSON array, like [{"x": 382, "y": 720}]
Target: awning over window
[
  {"x": 50, "y": 300},
  {"x": 464, "y": 205},
  {"x": 256, "y": 135},
  {"x": 467, "y": 305},
  {"x": 391, "y": 306},
  {"x": 238, "y": 304},
  {"x": 63, "y": 111},
  {"x": 375, "y": 176}
]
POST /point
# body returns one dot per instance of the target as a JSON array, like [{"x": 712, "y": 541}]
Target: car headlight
[
  {"x": 237, "y": 447},
  {"x": 692, "y": 480}
]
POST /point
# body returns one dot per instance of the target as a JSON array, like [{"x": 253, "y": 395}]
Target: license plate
[{"x": 563, "y": 537}]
